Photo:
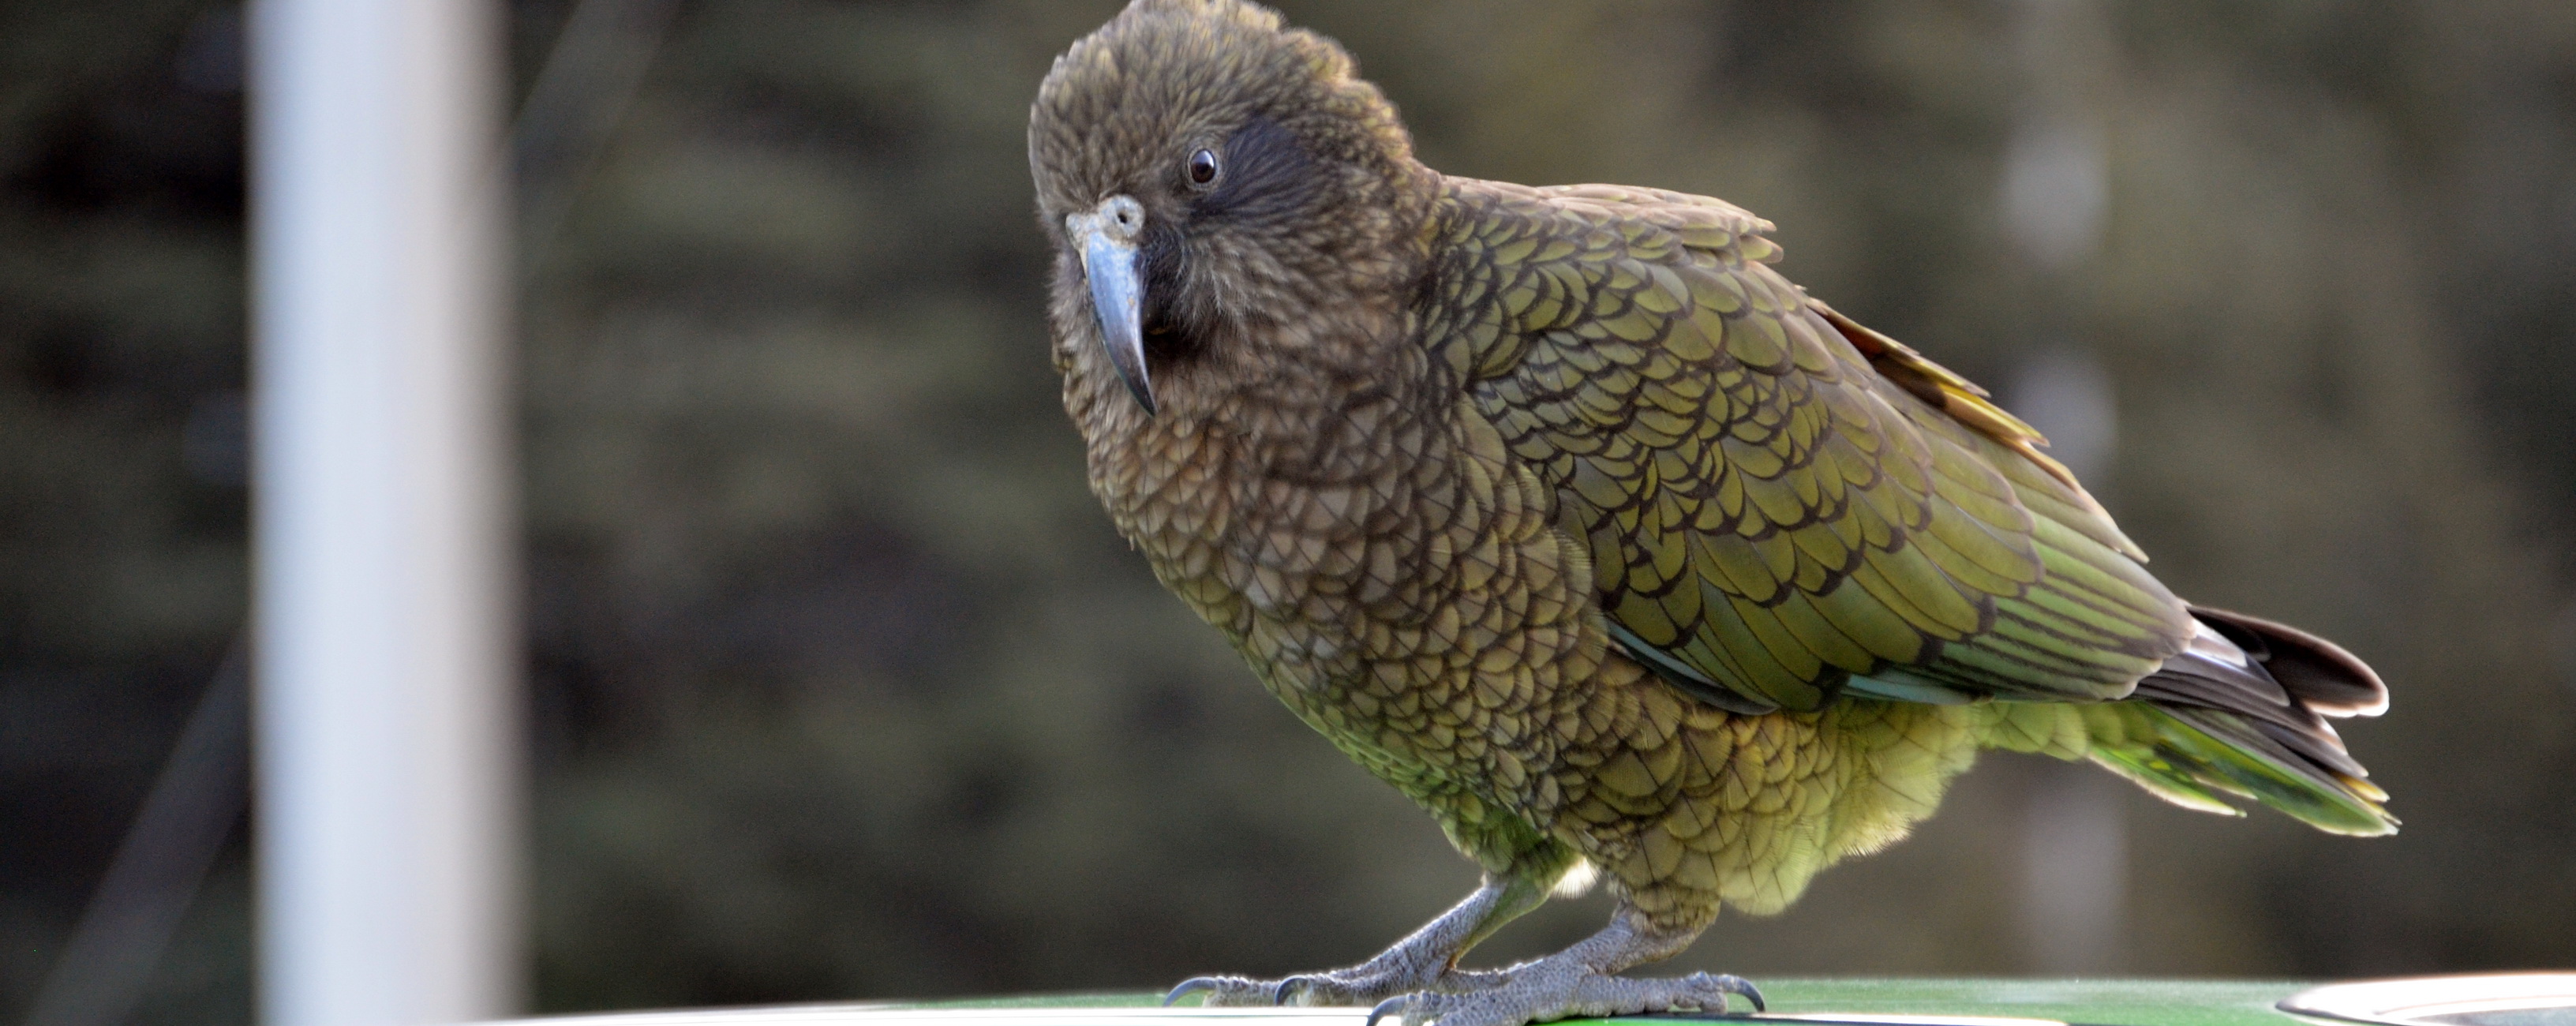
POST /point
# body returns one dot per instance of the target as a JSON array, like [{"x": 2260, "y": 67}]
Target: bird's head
[{"x": 1216, "y": 184}]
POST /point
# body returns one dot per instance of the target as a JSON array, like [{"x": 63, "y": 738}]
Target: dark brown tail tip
[{"x": 2317, "y": 672}]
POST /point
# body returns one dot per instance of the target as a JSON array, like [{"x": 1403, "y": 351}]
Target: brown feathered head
[{"x": 1214, "y": 183}]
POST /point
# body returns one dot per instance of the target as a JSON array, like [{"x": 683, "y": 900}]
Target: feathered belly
[{"x": 1452, "y": 647}]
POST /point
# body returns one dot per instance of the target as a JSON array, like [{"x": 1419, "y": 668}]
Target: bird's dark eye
[{"x": 1202, "y": 167}]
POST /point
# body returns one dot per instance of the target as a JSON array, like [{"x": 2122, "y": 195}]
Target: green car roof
[
  {"x": 2509, "y": 999},
  {"x": 1875, "y": 1002}
]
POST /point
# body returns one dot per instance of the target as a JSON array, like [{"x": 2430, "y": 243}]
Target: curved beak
[{"x": 1107, "y": 236}]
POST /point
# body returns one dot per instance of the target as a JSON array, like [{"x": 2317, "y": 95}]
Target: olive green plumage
[
  {"x": 1565, "y": 513},
  {"x": 1764, "y": 506}
]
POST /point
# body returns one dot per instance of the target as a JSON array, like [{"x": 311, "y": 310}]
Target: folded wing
[{"x": 1781, "y": 505}]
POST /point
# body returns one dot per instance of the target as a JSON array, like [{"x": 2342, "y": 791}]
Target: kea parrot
[{"x": 1565, "y": 513}]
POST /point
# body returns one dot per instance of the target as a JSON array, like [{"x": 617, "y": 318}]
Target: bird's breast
[{"x": 1387, "y": 572}]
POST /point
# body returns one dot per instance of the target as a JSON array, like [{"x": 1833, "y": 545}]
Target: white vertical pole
[{"x": 385, "y": 716}]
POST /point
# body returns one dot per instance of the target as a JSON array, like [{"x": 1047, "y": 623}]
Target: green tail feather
[{"x": 2199, "y": 765}]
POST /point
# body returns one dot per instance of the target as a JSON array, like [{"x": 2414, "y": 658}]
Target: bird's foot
[
  {"x": 1547, "y": 990},
  {"x": 1358, "y": 986}
]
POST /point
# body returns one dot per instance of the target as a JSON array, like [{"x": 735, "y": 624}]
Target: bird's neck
[
  {"x": 1370, "y": 410},
  {"x": 1280, "y": 470}
]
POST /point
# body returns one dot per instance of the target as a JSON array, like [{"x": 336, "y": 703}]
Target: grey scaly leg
[{"x": 1425, "y": 961}]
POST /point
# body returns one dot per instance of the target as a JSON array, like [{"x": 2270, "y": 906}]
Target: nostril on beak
[{"x": 1126, "y": 216}]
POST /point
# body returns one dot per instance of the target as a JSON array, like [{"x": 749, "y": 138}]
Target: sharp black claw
[
  {"x": 1279, "y": 994},
  {"x": 1745, "y": 987},
  {"x": 1391, "y": 1006},
  {"x": 1188, "y": 987}
]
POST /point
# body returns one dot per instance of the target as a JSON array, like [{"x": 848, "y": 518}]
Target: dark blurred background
[{"x": 842, "y": 687}]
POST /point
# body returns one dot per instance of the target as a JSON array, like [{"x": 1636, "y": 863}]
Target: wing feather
[{"x": 1778, "y": 500}]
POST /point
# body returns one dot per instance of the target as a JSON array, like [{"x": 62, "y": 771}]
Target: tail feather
[
  {"x": 2241, "y": 713},
  {"x": 2319, "y": 673}
]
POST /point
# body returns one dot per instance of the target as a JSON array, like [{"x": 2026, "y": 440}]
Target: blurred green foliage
[{"x": 844, "y": 688}]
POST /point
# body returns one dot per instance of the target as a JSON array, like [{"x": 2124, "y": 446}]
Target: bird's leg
[
  {"x": 1578, "y": 981},
  {"x": 1426, "y": 960}
]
